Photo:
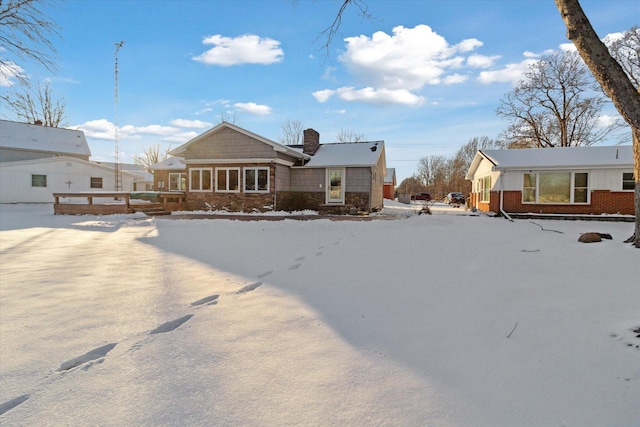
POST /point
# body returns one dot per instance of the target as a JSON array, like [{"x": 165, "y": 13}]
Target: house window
[
  {"x": 335, "y": 186},
  {"x": 556, "y": 187},
  {"x": 228, "y": 180},
  {"x": 96, "y": 182},
  {"x": 177, "y": 181},
  {"x": 200, "y": 179},
  {"x": 628, "y": 182},
  {"x": 485, "y": 188},
  {"x": 529, "y": 188},
  {"x": 256, "y": 180},
  {"x": 38, "y": 180}
]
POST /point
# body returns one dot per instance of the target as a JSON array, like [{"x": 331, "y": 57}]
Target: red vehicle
[{"x": 422, "y": 196}]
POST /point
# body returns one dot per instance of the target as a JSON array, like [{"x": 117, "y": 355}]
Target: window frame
[
  {"x": 484, "y": 188},
  {"x": 96, "y": 182},
  {"x": 328, "y": 198},
  {"x": 256, "y": 179},
  {"x": 227, "y": 181},
  {"x": 181, "y": 180},
  {"x": 38, "y": 179},
  {"x": 630, "y": 180},
  {"x": 200, "y": 188},
  {"x": 573, "y": 189}
]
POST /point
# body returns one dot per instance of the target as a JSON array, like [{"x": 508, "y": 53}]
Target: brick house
[
  {"x": 230, "y": 168},
  {"x": 390, "y": 184},
  {"x": 570, "y": 180}
]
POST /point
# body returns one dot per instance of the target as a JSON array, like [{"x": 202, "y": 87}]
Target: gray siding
[
  {"x": 283, "y": 178},
  {"x": 307, "y": 180},
  {"x": 229, "y": 144},
  {"x": 358, "y": 180}
]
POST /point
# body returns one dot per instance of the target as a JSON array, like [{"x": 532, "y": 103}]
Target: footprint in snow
[
  {"x": 266, "y": 273},
  {"x": 210, "y": 300},
  {"x": 171, "y": 325},
  {"x": 94, "y": 354},
  {"x": 295, "y": 266},
  {"x": 10, "y": 404},
  {"x": 301, "y": 258},
  {"x": 249, "y": 287}
]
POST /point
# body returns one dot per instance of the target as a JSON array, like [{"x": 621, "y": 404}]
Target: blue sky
[{"x": 424, "y": 76}]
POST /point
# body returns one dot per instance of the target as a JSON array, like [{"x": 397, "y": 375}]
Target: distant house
[
  {"x": 571, "y": 180},
  {"x": 23, "y": 141},
  {"x": 390, "y": 184},
  {"x": 37, "y": 161},
  {"x": 35, "y": 181},
  {"x": 230, "y": 168}
]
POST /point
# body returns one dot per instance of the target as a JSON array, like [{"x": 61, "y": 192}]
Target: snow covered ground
[{"x": 441, "y": 320}]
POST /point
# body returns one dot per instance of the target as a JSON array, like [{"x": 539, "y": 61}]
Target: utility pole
[{"x": 118, "y": 166}]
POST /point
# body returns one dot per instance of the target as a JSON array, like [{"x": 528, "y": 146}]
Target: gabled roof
[
  {"x": 615, "y": 156},
  {"x": 224, "y": 125},
  {"x": 45, "y": 160},
  {"x": 347, "y": 154},
  {"x": 171, "y": 163},
  {"x": 24, "y": 136},
  {"x": 390, "y": 178}
]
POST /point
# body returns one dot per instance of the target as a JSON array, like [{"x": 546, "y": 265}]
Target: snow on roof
[
  {"x": 26, "y": 136},
  {"x": 171, "y": 163},
  {"x": 346, "y": 154},
  {"x": 615, "y": 155},
  {"x": 391, "y": 172},
  {"x": 87, "y": 163},
  {"x": 224, "y": 125}
]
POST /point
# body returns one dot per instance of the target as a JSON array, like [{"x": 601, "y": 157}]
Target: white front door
[{"x": 335, "y": 186}]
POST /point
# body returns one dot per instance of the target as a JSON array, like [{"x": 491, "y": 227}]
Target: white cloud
[
  {"x": 510, "y": 73},
  {"x": 379, "y": 96},
  {"x": 568, "y": 47},
  {"x": 454, "y": 78},
  {"x": 8, "y": 72},
  {"x": 468, "y": 45},
  {"x": 181, "y": 137},
  {"x": 323, "y": 95},
  {"x": 481, "y": 61},
  {"x": 246, "y": 49},
  {"x": 196, "y": 124},
  {"x": 253, "y": 108},
  {"x": 98, "y": 129},
  {"x": 129, "y": 131},
  {"x": 393, "y": 67}
]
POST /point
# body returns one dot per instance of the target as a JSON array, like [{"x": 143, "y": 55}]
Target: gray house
[{"x": 230, "y": 168}]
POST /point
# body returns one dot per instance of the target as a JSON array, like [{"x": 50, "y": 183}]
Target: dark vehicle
[
  {"x": 422, "y": 196},
  {"x": 454, "y": 198}
]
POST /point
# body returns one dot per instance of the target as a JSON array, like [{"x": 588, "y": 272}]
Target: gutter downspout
[{"x": 506, "y": 215}]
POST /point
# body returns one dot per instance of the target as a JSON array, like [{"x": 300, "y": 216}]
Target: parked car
[
  {"x": 457, "y": 198},
  {"x": 421, "y": 196}
]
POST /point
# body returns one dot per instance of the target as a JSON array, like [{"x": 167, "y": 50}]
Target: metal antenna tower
[{"x": 118, "y": 166}]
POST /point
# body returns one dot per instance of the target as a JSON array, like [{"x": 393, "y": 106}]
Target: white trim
[
  {"x": 622, "y": 182},
  {"x": 572, "y": 187},
  {"x": 343, "y": 180},
  {"x": 227, "y": 180},
  {"x": 179, "y": 180},
  {"x": 199, "y": 189},
  {"x": 256, "y": 169},
  {"x": 239, "y": 161}
]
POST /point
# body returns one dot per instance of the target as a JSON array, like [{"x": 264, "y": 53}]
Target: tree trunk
[{"x": 614, "y": 81}]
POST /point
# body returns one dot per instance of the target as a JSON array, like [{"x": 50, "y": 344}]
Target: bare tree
[
  {"x": 557, "y": 104},
  {"x": 26, "y": 34},
  {"x": 411, "y": 185},
  {"x": 151, "y": 156},
  {"x": 626, "y": 50},
  {"x": 292, "y": 132},
  {"x": 38, "y": 106},
  {"x": 614, "y": 81},
  {"x": 346, "y": 135}
]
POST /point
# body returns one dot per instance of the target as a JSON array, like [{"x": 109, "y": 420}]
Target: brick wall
[{"x": 602, "y": 202}]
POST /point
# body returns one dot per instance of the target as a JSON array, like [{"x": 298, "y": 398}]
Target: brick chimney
[{"x": 311, "y": 141}]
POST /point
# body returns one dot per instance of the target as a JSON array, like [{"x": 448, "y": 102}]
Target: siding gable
[{"x": 229, "y": 144}]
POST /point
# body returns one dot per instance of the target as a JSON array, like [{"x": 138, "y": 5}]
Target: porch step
[{"x": 152, "y": 209}]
